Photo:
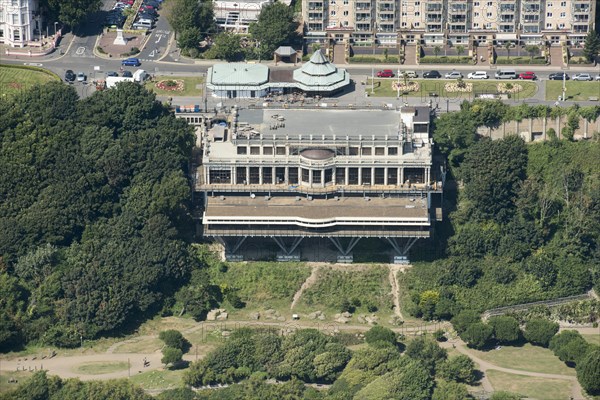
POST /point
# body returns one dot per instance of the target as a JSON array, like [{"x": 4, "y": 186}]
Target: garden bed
[{"x": 503, "y": 60}]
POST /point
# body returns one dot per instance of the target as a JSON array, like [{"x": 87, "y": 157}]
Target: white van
[
  {"x": 506, "y": 74},
  {"x": 143, "y": 24}
]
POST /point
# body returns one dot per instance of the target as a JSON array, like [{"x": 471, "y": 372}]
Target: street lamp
[{"x": 373, "y": 62}]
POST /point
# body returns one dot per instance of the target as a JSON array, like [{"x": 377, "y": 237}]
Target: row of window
[{"x": 294, "y": 151}]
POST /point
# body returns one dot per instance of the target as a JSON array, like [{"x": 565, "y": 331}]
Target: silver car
[
  {"x": 453, "y": 75},
  {"x": 582, "y": 77}
]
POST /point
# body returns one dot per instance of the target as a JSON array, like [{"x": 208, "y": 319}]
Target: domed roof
[
  {"x": 317, "y": 154},
  {"x": 320, "y": 74}
]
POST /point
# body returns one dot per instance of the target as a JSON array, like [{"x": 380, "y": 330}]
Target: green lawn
[
  {"x": 100, "y": 367},
  {"x": 594, "y": 339},
  {"x": 158, "y": 379},
  {"x": 383, "y": 88},
  {"x": 16, "y": 79},
  {"x": 526, "y": 358},
  {"x": 575, "y": 90},
  {"x": 5, "y": 376},
  {"x": 192, "y": 86},
  {"x": 530, "y": 387},
  {"x": 368, "y": 285}
]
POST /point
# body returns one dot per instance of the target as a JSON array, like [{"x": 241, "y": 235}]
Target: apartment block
[
  {"x": 19, "y": 21},
  {"x": 436, "y": 22}
]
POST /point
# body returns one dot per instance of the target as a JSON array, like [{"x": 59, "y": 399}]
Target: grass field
[
  {"x": 15, "y": 80},
  {"x": 99, "y": 368},
  {"x": 594, "y": 339},
  {"x": 526, "y": 358},
  {"x": 575, "y": 90},
  {"x": 5, "y": 376},
  {"x": 367, "y": 285},
  {"x": 383, "y": 88},
  {"x": 140, "y": 345},
  {"x": 530, "y": 387},
  {"x": 158, "y": 379},
  {"x": 192, "y": 86}
]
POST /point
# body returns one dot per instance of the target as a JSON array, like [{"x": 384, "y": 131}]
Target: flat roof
[
  {"x": 238, "y": 74},
  {"x": 324, "y": 121},
  {"x": 318, "y": 209}
]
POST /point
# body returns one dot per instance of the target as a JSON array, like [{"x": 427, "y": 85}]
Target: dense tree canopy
[
  {"x": 96, "y": 227},
  {"x": 70, "y": 12},
  {"x": 276, "y": 26}
]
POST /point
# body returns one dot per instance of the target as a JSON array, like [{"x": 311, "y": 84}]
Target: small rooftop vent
[
  {"x": 252, "y": 195},
  {"x": 297, "y": 198},
  {"x": 222, "y": 198}
]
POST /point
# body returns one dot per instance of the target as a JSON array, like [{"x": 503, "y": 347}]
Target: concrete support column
[
  {"x": 310, "y": 177},
  {"x": 286, "y": 175},
  {"x": 372, "y": 175},
  {"x": 360, "y": 175},
  {"x": 385, "y": 176},
  {"x": 427, "y": 175},
  {"x": 233, "y": 176},
  {"x": 247, "y": 175},
  {"x": 260, "y": 175},
  {"x": 346, "y": 176},
  {"x": 323, "y": 177},
  {"x": 401, "y": 175},
  {"x": 333, "y": 174}
]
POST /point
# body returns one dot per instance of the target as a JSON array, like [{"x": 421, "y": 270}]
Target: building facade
[
  {"x": 236, "y": 16},
  {"x": 435, "y": 22},
  {"x": 20, "y": 20},
  {"x": 295, "y": 174}
]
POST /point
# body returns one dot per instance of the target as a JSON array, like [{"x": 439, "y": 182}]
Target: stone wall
[{"x": 535, "y": 129}]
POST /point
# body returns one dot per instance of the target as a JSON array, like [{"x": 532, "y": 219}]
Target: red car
[
  {"x": 386, "y": 73},
  {"x": 528, "y": 75}
]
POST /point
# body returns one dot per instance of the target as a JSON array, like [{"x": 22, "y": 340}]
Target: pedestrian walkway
[
  {"x": 410, "y": 54},
  {"x": 556, "y": 57},
  {"x": 482, "y": 56}
]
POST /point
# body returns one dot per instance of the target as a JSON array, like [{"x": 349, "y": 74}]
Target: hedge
[
  {"x": 504, "y": 60},
  {"x": 445, "y": 60},
  {"x": 371, "y": 60}
]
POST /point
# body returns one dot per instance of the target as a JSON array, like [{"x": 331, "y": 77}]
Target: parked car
[
  {"x": 127, "y": 74},
  {"x": 386, "y": 73},
  {"x": 69, "y": 75},
  {"x": 453, "y": 75},
  {"x": 111, "y": 73},
  {"x": 81, "y": 77},
  {"x": 478, "y": 75},
  {"x": 506, "y": 74},
  {"x": 410, "y": 74},
  {"x": 598, "y": 77},
  {"x": 131, "y": 62},
  {"x": 432, "y": 74},
  {"x": 528, "y": 75},
  {"x": 558, "y": 76},
  {"x": 582, "y": 77}
]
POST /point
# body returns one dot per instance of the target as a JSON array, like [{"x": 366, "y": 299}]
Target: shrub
[
  {"x": 478, "y": 335},
  {"x": 439, "y": 335},
  {"x": 464, "y": 319},
  {"x": 174, "y": 339},
  {"x": 380, "y": 333},
  {"x": 540, "y": 331},
  {"x": 588, "y": 373},
  {"x": 445, "y": 60},
  {"x": 459, "y": 369},
  {"x": 569, "y": 346},
  {"x": 171, "y": 356},
  {"x": 506, "y": 329}
]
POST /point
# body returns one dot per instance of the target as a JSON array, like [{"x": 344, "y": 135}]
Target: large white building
[{"x": 18, "y": 21}]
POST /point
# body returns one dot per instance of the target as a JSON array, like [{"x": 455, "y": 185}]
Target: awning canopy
[{"x": 506, "y": 36}]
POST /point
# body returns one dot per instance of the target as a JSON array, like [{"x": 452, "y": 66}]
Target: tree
[
  {"x": 436, "y": 50},
  {"x": 459, "y": 369},
  {"x": 532, "y": 50},
  {"x": 460, "y": 49},
  {"x": 464, "y": 319},
  {"x": 569, "y": 346},
  {"x": 445, "y": 390},
  {"x": 478, "y": 335},
  {"x": 191, "y": 19},
  {"x": 171, "y": 356},
  {"x": 506, "y": 329},
  {"x": 505, "y": 396},
  {"x": 588, "y": 373},
  {"x": 507, "y": 46},
  {"x": 177, "y": 394},
  {"x": 276, "y": 26},
  {"x": 427, "y": 352},
  {"x": 226, "y": 47},
  {"x": 72, "y": 12},
  {"x": 492, "y": 172},
  {"x": 380, "y": 334},
  {"x": 329, "y": 365},
  {"x": 539, "y": 331},
  {"x": 174, "y": 339},
  {"x": 591, "y": 46},
  {"x": 189, "y": 38}
]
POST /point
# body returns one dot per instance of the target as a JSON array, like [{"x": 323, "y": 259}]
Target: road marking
[
  {"x": 158, "y": 37},
  {"x": 80, "y": 50},
  {"x": 33, "y": 64},
  {"x": 151, "y": 53}
]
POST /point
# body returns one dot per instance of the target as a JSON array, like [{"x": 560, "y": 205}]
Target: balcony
[
  {"x": 315, "y": 17},
  {"x": 433, "y": 7},
  {"x": 507, "y": 8},
  {"x": 461, "y": 19},
  {"x": 434, "y": 28},
  {"x": 363, "y": 6},
  {"x": 507, "y": 18},
  {"x": 433, "y": 19},
  {"x": 581, "y": 18},
  {"x": 458, "y": 8},
  {"x": 363, "y": 27},
  {"x": 386, "y": 17},
  {"x": 386, "y": 8}
]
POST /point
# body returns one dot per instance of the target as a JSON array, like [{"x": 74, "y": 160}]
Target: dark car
[
  {"x": 558, "y": 76},
  {"x": 147, "y": 15},
  {"x": 152, "y": 3},
  {"x": 111, "y": 73},
  {"x": 432, "y": 74},
  {"x": 127, "y": 74},
  {"x": 69, "y": 75},
  {"x": 131, "y": 62}
]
